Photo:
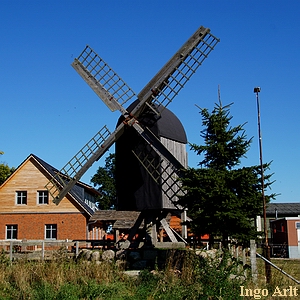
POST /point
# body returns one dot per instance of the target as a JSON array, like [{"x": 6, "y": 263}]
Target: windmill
[{"x": 149, "y": 107}]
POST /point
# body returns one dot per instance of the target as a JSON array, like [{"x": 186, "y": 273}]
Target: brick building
[
  {"x": 286, "y": 231},
  {"x": 27, "y": 212}
]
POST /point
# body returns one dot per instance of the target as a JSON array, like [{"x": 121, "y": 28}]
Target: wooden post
[
  {"x": 253, "y": 260},
  {"x": 161, "y": 235},
  {"x": 244, "y": 256},
  {"x": 11, "y": 250},
  {"x": 77, "y": 249},
  {"x": 184, "y": 225},
  {"x": 244, "y": 261},
  {"x": 43, "y": 250},
  {"x": 237, "y": 252}
]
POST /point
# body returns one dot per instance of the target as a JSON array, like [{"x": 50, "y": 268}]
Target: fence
[
  {"x": 39, "y": 249},
  {"x": 48, "y": 249}
]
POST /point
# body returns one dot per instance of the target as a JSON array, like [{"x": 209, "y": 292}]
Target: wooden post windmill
[{"x": 158, "y": 158}]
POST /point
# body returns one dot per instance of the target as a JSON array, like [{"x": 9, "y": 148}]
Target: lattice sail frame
[
  {"x": 171, "y": 85},
  {"x": 105, "y": 82},
  {"x": 73, "y": 167}
]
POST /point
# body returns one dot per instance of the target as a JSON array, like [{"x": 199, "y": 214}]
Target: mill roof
[{"x": 167, "y": 125}]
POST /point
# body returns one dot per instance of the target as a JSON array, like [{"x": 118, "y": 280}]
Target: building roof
[
  {"x": 126, "y": 224},
  {"x": 120, "y": 219},
  {"x": 114, "y": 215},
  {"x": 283, "y": 209}
]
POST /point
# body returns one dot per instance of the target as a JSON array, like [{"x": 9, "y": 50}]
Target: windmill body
[
  {"x": 137, "y": 189},
  {"x": 150, "y": 139}
]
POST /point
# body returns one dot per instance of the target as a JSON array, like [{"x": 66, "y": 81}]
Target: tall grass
[
  {"x": 279, "y": 280},
  {"x": 184, "y": 276}
]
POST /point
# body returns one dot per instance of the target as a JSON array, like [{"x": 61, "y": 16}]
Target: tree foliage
[
  {"x": 105, "y": 182},
  {"x": 5, "y": 172},
  {"x": 223, "y": 200},
  {"x": 224, "y": 145}
]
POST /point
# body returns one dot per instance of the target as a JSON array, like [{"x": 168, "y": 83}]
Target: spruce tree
[{"x": 222, "y": 199}]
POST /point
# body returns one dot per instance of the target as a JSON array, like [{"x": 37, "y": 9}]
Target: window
[
  {"x": 11, "y": 232},
  {"x": 43, "y": 197},
  {"x": 298, "y": 225},
  {"x": 21, "y": 197},
  {"x": 51, "y": 231}
]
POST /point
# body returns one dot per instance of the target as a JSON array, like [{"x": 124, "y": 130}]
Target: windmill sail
[
  {"x": 114, "y": 92},
  {"x": 104, "y": 81},
  {"x": 67, "y": 177},
  {"x": 167, "y": 83}
]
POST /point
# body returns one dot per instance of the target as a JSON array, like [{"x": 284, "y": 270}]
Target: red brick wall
[
  {"x": 292, "y": 232},
  {"x": 70, "y": 226}
]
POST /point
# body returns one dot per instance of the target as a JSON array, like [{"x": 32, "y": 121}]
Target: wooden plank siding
[
  {"x": 31, "y": 179},
  {"x": 179, "y": 152}
]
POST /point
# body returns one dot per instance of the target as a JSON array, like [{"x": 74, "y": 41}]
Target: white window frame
[
  {"x": 52, "y": 229},
  {"x": 13, "y": 230},
  {"x": 21, "y": 195},
  {"x": 43, "y": 196}
]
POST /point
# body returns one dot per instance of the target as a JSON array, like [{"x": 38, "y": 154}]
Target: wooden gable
[{"x": 32, "y": 177}]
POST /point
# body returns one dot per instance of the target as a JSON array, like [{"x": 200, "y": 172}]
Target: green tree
[
  {"x": 5, "y": 170},
  {"x": 223, "y": 200},
  {"x": 105, "y": 182}
]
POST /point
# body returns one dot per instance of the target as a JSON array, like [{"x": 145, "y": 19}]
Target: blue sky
[{"x": 48, "y": 110}]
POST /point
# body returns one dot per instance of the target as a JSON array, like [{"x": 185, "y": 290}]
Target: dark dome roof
[{"x": 167, "y": 126}]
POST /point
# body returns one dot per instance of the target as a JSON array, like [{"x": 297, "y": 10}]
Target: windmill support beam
[
  {"x": 152, "y": 221},
  {"x": 168, "y": 230},
  {"x": 183, "y": 224},
  {"x": 150, "y": 230}
]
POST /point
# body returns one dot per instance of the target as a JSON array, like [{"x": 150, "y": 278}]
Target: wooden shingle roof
[
  {"x": 114, "y": 215},
  {"x": 125, "y": 224},
  {"x": 119, "y": 219}
]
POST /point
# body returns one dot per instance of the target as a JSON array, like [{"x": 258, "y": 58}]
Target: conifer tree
[{"x": 222, "y": 199}]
